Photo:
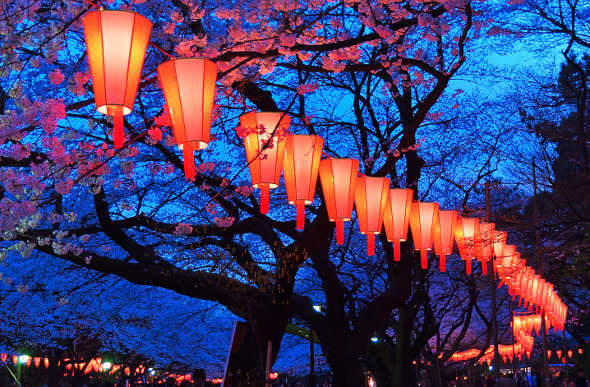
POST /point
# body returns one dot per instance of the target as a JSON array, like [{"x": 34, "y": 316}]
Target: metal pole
[
  {"x": 546, "y": 374},
  {"x": 311, "y": 359},
  {"x": 493, "y": 294}
]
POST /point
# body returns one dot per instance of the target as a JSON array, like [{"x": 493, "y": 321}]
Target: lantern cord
[
  {"x": 339, "y": 232},
  {"x": 396, "y": 250},
  {"x": 370, "y": 244},
  {"x": 162, "y": 50},
  {"x": 443, "y": 263},
  {"x": 189, "y": 160},
  {"x": 424, "y": 259},
  {"x": 118, "y": 131},
  {"x": 93, "y": 4},
  {"x": 300, "y": 205}
]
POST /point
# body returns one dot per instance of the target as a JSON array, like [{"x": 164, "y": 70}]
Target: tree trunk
[
  {"x": 404, "y": 372},
  {"x": 347, "y": 371}
]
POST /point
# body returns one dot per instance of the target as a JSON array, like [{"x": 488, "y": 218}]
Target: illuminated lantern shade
[
  {"x": 338, "y": 178},
  {"x": 265, "y": 150},
  {"x": 189, "y": 89},
  {"x": 46, "y": 362},
  {"x": 370, "y": 200},
  {"x": 487, "y": 234},
  {"x": 300, "y": 171},
  {"x": 28, "y": 362},
  {"x": 580, "y": 351},
  {"x": 444, "y": 236},
  {"x": 424, "y": 218},
  {"x": 397, "y": 217},
  {"x": 3, "y": 357},
  {"x": 558, "y": 353},
  {"x": 15, "y": 359},
  {"x": 468, "y": 240},
  {"x": 570, "y": 353},
  {"x": 548, "y": 354},
  {"x": 37, "y": 361},
  {"x": 116, "y": 42}
]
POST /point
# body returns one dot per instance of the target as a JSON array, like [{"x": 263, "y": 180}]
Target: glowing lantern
[
  {"x": 558, "y": 353},
  {"x": 116, "y": 42},
  {"x": 3, "y": 357},
  {"x": 487, "y": 235},
  {"x": 444, "y": 236},
  {"x": 28, "y": 361},
  {"x": 46, "y": 362},
  {"x": 37, "y": 361},
  {"x": 339, "y": 178},
  {"x": 189, "y": 89},
  {"x": 15, "y": 359},
  {"x": 468, "y": 240},
  {"x": 370, "y": 199},
  {"x": 570, "y": 353},
  {"x": 265, "y": 150},
  {"x": 548, "y": 354},
  {"x": 424, "y": 218},
  {"x": 580, "y": 351},
  {"x": 300, "y": 171},
  {"x": 397, "y": 217}
]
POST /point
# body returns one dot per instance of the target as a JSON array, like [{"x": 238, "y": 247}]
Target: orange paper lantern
[
  {"x": 444, "y": 236},
  {"x": 370, "y": 200},
  {"x": 15, "y": 359},
  {"x": 300, "y": 171},
  {"x": 189, "y": 89},
  {"x": 338, "y": 178},
  {"x": 37, "y": 361},
  {"x": 548, "y": 354},
  {"x": 116, "y": 42},
  {"x": 487, "y": 235},
  {"x": 265, "y": 150},
  {"x": 424, "y": 218},
  {"x": 46, "y": 362},
  {"x": 397, "y": 217},
  {"x": 468, "y": 240}
]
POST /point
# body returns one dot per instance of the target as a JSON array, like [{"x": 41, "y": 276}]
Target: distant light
[
  {"x": 372, "y": 382},
  {"x": 23, "y": 359},
  {"x": 317, "y": 308},
  {"x": 107, "y": 365},
  {"x": 491, "y": 367},
  {"x": 374, "y": 339}
]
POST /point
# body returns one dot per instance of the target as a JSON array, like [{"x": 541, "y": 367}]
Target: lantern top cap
[
  {"x": 176, "y": 59},
  {"x": 101, "y": 10},
  {"x": 285, "y": 119}
]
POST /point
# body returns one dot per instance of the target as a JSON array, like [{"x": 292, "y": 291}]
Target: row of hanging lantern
[
  {"x": 116, "y": 44},
  {"x": 559, "y": 352}
]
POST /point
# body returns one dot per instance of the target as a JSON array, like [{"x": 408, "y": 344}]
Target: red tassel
[
  {"x": 264, "y": 198},
  {"x": 396, "y": 251},
  {"x": 484, "y": 268},
  {"x": 468, "y": 266},
  {"x": 370, "y": 244},
  {"x": 118, "y": 132},
  {"x": 424, "y": 259},
  {"x": 300, "y": 205},
  {"x": 443, "y": 263},
  {"x": 339, "y": 231},
  {"x": 189, "y": 160}
]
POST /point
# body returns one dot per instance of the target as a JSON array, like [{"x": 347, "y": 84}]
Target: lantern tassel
[
  {"x": 118, "y": 133},
  {"x": 484, "y": 268},
  {"x": 424, "y": 259},
  {"x": 189, "y": 160},
  {"x": 468, "y": 266},
  {"x": 443, "y": 263},
  {"x": 370, "y": 244},
  {"x": 300, "y": 205},
  {"x": 396, "y": 250},
  {"x": 339, "y": 231},
  {"x": 264, "y": 198}
]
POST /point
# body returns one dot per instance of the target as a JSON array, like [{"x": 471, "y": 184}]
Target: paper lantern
[
  {"x": 423, "y": 219},
  {"x": 397, "y": 217},
  {"x": 116, "y": 42},
  {"x": 580, "y": 351},
  {"x": 189, "y": 89},
  {"x": 444, "y": 236},
  {"x": 300, "y": 171},
  {"x": 558, "y": 353},
  {"x": 487, "y": 235},
  {"x": 37, "y": 361},
  {"x": 548, "y": 354},
  {"x": 46, "y": 362},
  {"x": 265, "y": 150},
  {"x": 468, "y": 240},
  {"x": 570, "y": 353},
  {"x": 370, "y": 200},
  {"x": 338, "y": 178}
]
